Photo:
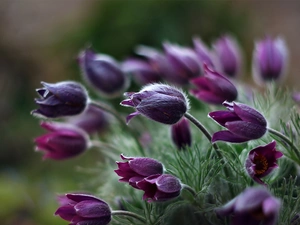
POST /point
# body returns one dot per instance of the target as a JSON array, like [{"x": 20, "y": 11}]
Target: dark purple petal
[
  {"x": 246, "y": 129},
  {"x": 203, "y": 53},
  {"x": 168, "y": 184},
  {"x": 146, "y": 166},
  {"x": 92, "y": 209},
  {"x": 181, "y": 134},
  {"x": 222, "y": 117},
  {"x": 227, "y": 136},
  {"x": 83, "y": 197},
  {"x": 66, "y": 212}
]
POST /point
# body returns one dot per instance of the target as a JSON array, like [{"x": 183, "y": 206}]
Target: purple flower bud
[
  {"x": 296, "y": 97},
  {"x": 143, "y": 72},
  {"x": 83, "y": 209},
  {"x": 137, "y": 168},
  {"x": 91, "y": 120},
  {"x": 159, "y": 102},
  {"x": 213, "y": 88},
  {"x": 184, "y": 61},
  {"x": 261, "y": 161},
  {"x": 243, "y": 123},
  {"x": 204, "y": 54},
  {"x": 66, "y": 98},
  {"x": 63, "y": 142},
  {"x": 269, "y": 60},
  {"x": 253, "y": 206},
  {"x": 181, "y": 134},
  {"x": 103, "y": 73},
  {"x": 228, "y": 53},
  {"x": 160, "y": 187}
]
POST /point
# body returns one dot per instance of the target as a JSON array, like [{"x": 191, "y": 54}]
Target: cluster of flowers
[{"x": 212, "y": 73}]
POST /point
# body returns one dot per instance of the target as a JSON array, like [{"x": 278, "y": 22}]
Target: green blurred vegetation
[{"x": 27, "y": 184}]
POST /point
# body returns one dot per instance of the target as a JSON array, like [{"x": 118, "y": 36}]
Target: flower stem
[
  {"x": 121, "y": 120},
  {"x": 130, "y": 214},
  {"x": 190, "y": 189},
  {"x": 285, "y": 139}
]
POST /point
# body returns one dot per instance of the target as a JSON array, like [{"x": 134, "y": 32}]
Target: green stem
[
  {"x": 189, "y": 189},
  {"x": 285, "y": 139},
  {"x": 130, "y": 214},
  {"x": 121, "y": 120}
]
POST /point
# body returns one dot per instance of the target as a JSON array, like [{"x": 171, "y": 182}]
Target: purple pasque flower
[
  {"x": 184, "y": 61},
  {"x": 63, "y": 141},
  {"x": 67, "y": 98},
  {"x": 213, "y": 87},
  {"x": 83, "y": 209},
  {"x": 228, "y": 55},
  {"x": 269, "y": 60},
  {"x": 181, "y": 134},
  {"x": 204, "y": 54},
  {"x": 159, "y": 102},
  {"x": 135, "y": 169},
  {"x": 243, "y": 123},
  {"x": 142, "y": 70},
  {"x": 262, "y": 160},
  {"x": 103, "y": 73},
  {"x": 159, "y": 187},
  {"x": 92, "y": 120},
  {"x": 253, "y": 206}
]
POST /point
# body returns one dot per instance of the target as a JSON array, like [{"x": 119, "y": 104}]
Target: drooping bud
[
  {"x": 61, "y": 99},
  {"x": 181, "y": 134},
  {"x": 103, "y": 73},
  {"x": 159, "y": 102}
]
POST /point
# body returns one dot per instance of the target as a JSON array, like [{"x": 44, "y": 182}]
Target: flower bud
[
  {"x": 103, "y": 73},
  {"x": 181, "y": 134},
  {"x": 213, "y": 88},
  {"x": 204, "y": 54},
  {"x": 137, "y": 168},
  {"x": 269, "y": 60},
  {"x": 159, "y": 188},
  {"x": 66, "y": 98},
  {"x": 254, "y": 206},
  {"x": 83, "y": 209},
  {"x": 159, "y": 102},
  {"x": 228, "y": 54},
  {"x": 261, "y": 161},
  {"x": 243, "y": 123},
  {"x": 63, "y": 142}
]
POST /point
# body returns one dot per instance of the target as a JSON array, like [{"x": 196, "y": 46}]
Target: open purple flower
[
  {"x": 64, "y": 141},
  {"x": 213, "y": 87},
  {"x": 243, "y": 123},
  {"x": 137, "y": 168},
  {"x": 261, "y": 161},
  {"x": 159, "y": 102},
  {"x": 83, "y": 209},
  {"x": 66, "y": 98},
  {"x": 269, "y": 60},
  {"x": 181, "y": 134},
  {"x": 103, "y": 73},
  {"x": 252, "y": 207},
  {"x": 160, "y": 187},
  {"x": 228, "y": 54}
]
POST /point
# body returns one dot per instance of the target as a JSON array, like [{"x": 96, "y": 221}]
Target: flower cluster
[{"x": 210, "y": 75}]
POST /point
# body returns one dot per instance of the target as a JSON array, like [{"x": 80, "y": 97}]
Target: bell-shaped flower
[
  {"x": 213, "y": 87},
  {"x": 228, "y": 55},
  {"x": 92, "y": 120},
  {"x": 184, "y": 61},
  {"x": 143, "y": 71},
  {"x": 159, "y": 188},
  {"x": 269, "y": 60},
  {"x": 135, "y": 169},
  {"x": 204, "y": 54},
  {"x": 61, "y": 99},
  {"x": 243, "y": 123},
  {"x": 261, "y": 161},
  {"x": 159, "y": 102},
  {"x": 103, "y": 73},
  {"x": 181, "y": 134},
  {"x": 63, "y": 141},
  {"x": 253, "y": 206},
  {"x": 83, "y": 209}
]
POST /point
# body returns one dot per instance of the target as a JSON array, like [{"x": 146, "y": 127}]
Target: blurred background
[{"x": 40, "y": 40}]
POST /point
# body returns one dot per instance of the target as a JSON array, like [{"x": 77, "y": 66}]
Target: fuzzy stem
[
  {"x": 130, "y": 214},
  {"x": 286, "y": 139},
  {"x": 110, "y": 110},
  {"x": 100, "y": 144},
  {"x": 189, "y": 189}
]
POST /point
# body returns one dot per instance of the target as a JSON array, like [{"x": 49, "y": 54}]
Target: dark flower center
[{"x": 261, "y": 164}]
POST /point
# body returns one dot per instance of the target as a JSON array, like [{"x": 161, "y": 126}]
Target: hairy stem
[
  {"x": 189, "y": 189},
  {"x": 130, "y": 214}
]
